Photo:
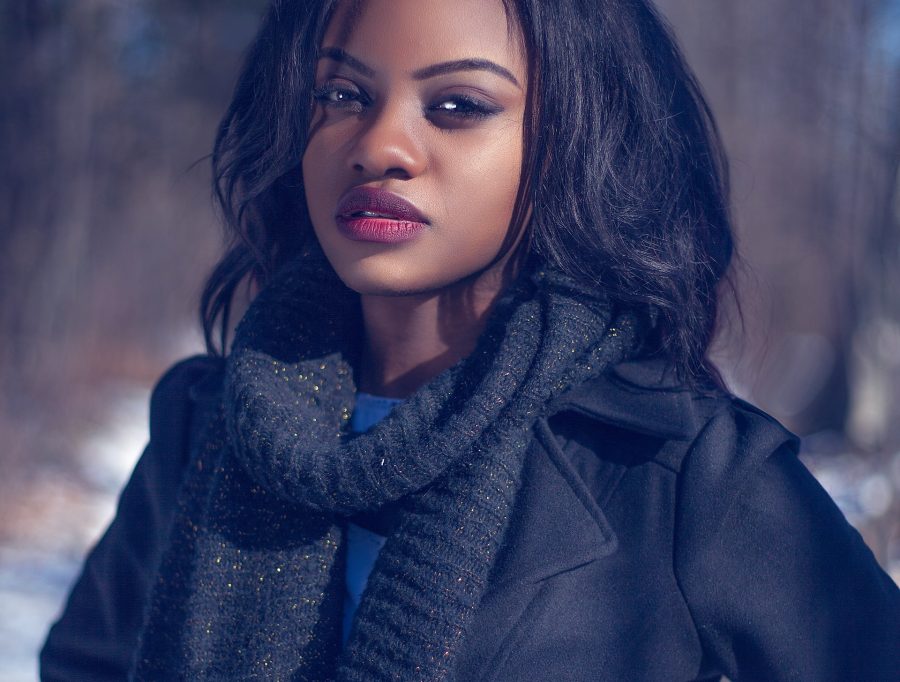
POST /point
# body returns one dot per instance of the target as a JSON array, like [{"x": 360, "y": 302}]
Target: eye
[
  {"x": 340, "y": 97},
  {"x": 464, "y": 108}
]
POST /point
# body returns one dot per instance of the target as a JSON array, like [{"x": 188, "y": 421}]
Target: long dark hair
[{"x": 622, "y": 161}]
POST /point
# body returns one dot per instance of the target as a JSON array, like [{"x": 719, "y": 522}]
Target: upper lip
[{"x": 378, "y": 201}]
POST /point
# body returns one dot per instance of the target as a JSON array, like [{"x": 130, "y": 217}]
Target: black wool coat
[{"x": 660, "y": 535}]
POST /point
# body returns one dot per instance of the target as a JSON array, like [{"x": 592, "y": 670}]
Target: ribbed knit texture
[
  {"x": 252, "y": 584},
  {"x": 364, "y": 542}
]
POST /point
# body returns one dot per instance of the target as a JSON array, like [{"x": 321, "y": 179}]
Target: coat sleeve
[
  {"x": 780, "y": 585},
  {"x": 95, "y": 636}
]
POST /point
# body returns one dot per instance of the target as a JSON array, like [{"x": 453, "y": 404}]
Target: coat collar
[
  {"x": 642, "y": 395},
  {"x": 559, "y": 524}
]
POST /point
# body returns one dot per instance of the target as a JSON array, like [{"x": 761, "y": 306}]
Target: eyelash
[{"x": 473, "y": 109}]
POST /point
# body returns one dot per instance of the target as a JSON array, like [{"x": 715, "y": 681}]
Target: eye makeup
[{"x": 461, "y": 107}]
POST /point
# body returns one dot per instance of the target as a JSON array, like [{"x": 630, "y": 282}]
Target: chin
[
  {"x": 403, "y": 270},
  {"x": 374, "y": 277}
]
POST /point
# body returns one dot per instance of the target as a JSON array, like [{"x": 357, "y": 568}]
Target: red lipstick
[{"x": 370, "y": 214}]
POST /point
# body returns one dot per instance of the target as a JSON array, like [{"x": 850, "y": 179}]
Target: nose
[{"x": 387, "y": 144}]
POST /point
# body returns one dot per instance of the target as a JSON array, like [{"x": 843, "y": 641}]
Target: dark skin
[
  {"x": 413, "y": 338},
  {"x": 450, "y": 143}
]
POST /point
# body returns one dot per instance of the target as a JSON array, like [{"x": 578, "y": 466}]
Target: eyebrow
[{"x": 340, "y": 55}]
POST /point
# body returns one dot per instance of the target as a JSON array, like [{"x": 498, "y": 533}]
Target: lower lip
[{"x": 381, "y": 230}]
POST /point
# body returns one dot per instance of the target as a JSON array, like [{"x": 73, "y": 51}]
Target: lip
[{"x": 398, "y": 220}]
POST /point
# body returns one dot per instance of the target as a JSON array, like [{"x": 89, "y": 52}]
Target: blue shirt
[{"x": 363, "y": 545}]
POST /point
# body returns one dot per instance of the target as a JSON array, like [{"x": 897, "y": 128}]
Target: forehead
[{"x": 416, "y": 33}]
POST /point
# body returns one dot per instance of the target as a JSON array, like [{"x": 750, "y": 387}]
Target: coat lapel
[
  {"x": 556, "y": 526},
  {"x": 558, "y": 523}
]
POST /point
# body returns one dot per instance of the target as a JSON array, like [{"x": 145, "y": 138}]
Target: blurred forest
[
  {"x": 107, "y": 231},
  {"x": 109, "y": 112}
]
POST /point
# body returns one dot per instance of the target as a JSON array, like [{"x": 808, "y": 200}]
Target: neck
[{"x": 410, "y": 339}]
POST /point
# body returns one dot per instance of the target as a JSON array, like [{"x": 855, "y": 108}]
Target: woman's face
[{"x": 396, "y": 110}]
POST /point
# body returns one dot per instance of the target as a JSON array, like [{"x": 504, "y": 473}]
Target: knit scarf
[{"x": 251, "y": 585}]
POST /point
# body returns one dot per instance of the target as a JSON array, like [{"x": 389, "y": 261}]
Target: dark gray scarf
[{"x": 251, "y": 586}]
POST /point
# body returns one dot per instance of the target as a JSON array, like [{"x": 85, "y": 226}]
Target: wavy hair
[{"x": 622, "y": 163}]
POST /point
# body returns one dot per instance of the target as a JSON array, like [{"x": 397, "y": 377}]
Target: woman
[{"x": 496, "y": 229}]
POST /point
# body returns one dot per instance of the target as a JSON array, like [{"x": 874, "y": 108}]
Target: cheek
[
  {"x": 485, "y": 190},
  {"x": 314, "y": 172}
]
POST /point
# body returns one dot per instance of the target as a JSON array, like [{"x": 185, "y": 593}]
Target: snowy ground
[{"x": 56, "y": 520}]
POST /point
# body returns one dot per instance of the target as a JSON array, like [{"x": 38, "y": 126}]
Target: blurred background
[{"x": 107, "y": 231}]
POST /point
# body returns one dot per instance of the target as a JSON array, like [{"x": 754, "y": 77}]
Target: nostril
[
  {"x": 396, "y": 172},
  {"x": 400, "y": 173}
]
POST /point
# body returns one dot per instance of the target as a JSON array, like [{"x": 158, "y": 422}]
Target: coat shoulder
[
  {"x": 95, "y": 635},
  {"x": 712, "y": 487},
  {"x": 756, "y": 540},
  {"x": 180, "y": 379},
  {"x": 638, "y": 411},
  {"x": 193, "y": 379}
]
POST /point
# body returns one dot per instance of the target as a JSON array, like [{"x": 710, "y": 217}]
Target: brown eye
[
  {"x": 330, "y": 95},
  {"x": 463, "y": 107}
]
